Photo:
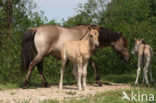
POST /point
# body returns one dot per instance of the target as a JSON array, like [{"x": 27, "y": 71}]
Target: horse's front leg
[
  {"x": 139, "y": 69},
  {"x": 84, "y": 74},
  {"x": 97, "y": 75}
]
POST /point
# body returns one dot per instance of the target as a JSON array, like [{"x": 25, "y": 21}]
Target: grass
[
  {"x": 113, "y": 97},
  {"x": 12, "y": 93},
  {"x": 71, "y": 93},
  {"x": 128, "y": 78},
  {"x": 50, "y": 101},
  {"x": 8, "y": 86}
]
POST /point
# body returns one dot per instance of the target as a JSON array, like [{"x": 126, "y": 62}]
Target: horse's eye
[{"x": 91, "y": 36}]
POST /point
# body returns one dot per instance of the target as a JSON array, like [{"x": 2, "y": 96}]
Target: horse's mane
[
  {"x": 143, "y": 42},
  {"x": 107, "y": 36},
  {"x": 86, "y": 33}
]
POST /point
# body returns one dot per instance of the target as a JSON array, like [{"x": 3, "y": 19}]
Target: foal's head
[
  {"x": 137, "y": 44},
  {"x": 94, "y": 35}
]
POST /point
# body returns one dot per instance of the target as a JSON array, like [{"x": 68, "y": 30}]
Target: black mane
[{"x": 107, "y": 36}]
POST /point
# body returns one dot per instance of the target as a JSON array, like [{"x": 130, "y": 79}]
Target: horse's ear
[
  {"x": 98, "y": 28},
  {"x": 89, "y": 27},
  {"x": 135, "y": 39}
]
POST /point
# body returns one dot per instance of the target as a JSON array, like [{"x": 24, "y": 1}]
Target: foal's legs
[
  {"x": 138, "y": 71},
  {"x": 143, "y": 80},
  {"x": 40, "y": 70},
  {"x": 84, "y": 74},
  {"x": 64, "y": 60},
  {"x": 146, "y": 70},
  {"x": 36, "y": 60},
  {"x": 79, "y": 65},
  {"x": 143, "y": 63}
]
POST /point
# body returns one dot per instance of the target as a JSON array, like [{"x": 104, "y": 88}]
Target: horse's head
[
  {"x": 120, "y": 47},
  {"x": 94, "y": 35},
  {"x": 137, "y": 44}
]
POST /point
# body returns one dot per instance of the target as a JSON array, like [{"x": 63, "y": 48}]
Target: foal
[
  {"x": 79, "y": 52},
  {"x": 145, "y": 54}
]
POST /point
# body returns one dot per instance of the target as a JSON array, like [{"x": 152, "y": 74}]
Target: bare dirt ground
[{"x": 41, "y": 94}]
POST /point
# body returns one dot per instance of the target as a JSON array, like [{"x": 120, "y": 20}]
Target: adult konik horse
[{"x": 48, "y": 40}]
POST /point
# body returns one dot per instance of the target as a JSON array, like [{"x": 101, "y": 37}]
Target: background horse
[
  {"x": 48, "y": 40},
  {"x": 145, "y": 54},
  {"x": 115, "y": 40}
]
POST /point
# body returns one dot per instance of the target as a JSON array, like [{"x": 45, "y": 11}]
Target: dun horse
[
  {"x": 48, "y": 40},
  {"x": 145, "y": 54},
  {"x": 79, "y": 52}
]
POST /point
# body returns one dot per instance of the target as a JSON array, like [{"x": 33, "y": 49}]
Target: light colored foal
[
  {"x": 79, "y": 52},
  {"x": 145, "y": 54}
]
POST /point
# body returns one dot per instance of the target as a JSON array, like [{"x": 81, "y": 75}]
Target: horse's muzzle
[{"x": 96, "y": 44}]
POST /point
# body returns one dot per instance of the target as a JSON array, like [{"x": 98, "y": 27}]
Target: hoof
[
  {"x": 85, "y": 89},
  {"x": 148, "y": 85},
  {"x": 60, "y": 87},
  {"x": 143, "y": 83},
  {"x": 45, "y": 85},
  {"x": 25, "y": 84},
  {"x": 99, "y": 83},
  {"x": 135, "y": 84},
  {"x": 80, "y": 89},
  {"x": 25, "y": 87}
]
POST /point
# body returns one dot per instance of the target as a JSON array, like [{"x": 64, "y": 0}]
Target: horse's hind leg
[
  {"x": 143, "y": 63},
  {"x": 146, "y": 70},
  {"x": 36, "y": 60},
  {"x": 150, "y": 72},
  {"x": 138, "y": 71},
  {"x": 40, "y": 70}
]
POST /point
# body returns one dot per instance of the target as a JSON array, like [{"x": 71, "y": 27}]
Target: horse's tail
[{"x": 28, "y": 48}]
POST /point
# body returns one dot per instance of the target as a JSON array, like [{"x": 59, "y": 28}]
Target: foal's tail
[{"x": 28, "y": 48}]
